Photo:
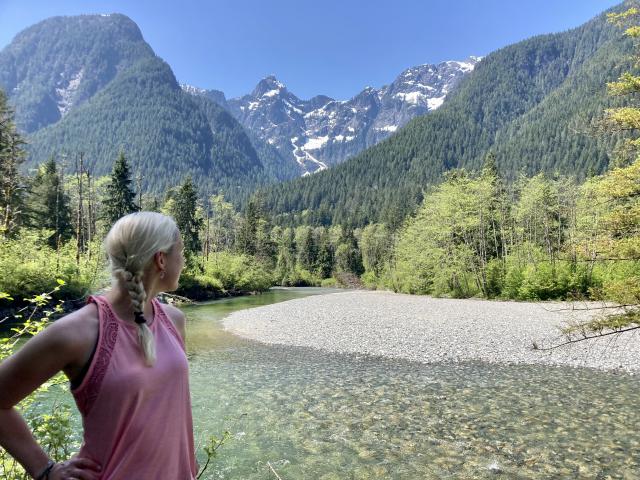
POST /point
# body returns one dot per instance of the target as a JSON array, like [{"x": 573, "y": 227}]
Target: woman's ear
[{"x": 160, "y": 260}]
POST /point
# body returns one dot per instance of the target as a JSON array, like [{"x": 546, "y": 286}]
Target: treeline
[
  {"x": 540, "y": 237},
  {"x": 536, "y": 239},
  {"x": 53, "y": 224}
]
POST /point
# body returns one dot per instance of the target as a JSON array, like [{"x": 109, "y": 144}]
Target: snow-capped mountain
[{"x": 321, "y": 132}]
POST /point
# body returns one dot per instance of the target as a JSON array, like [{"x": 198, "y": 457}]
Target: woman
[{"x": 124, "y": 355}]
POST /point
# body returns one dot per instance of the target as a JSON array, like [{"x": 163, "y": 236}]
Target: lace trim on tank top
[
  {"x": 86, "y": 397},
  {"x": 168, "y": 323}
]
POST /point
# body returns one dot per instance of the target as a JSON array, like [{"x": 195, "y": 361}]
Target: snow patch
[
  {"x": 303, "y": 157},
  {"x": 253, "y": 105},
  {"x": 414, "y": 98},
  {"x": 388, "y": 128},
  {"x": 192, "y": 90},
  {"x": 343, "y": 138},
  {"x": 293, "y": 107},
  {"x": 315, "y": 143},
  {"x": 464, "y": 66},
  {"x": 434, "y": 103},
  {"x": 271, "y": 93},
  {"x": 66, "y": 94}
]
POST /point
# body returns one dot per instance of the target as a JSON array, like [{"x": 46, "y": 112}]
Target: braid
[{"x": 133, "y": 283}]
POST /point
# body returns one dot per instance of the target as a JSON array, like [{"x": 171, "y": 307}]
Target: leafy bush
[
  {"x": 237, "y": 272},
  {"x": 329, "y": 283},
  {"x": 300, "y": 277},
  {"x": 199, "y": 287},
  {"x": 29, "y": 267}
]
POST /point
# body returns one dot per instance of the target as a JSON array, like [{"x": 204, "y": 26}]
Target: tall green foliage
[
  {"x": 183, "y": 207},
  {"x": 49, "y": 205},
  {"x": 11, "y": 182},
  {"x": 120, "y": 199}
]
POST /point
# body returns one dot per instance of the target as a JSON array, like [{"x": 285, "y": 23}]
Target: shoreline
[{"x": 435, "y": 330}]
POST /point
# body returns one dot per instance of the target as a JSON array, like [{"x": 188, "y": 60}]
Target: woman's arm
[{"x": 61, "y": 346}]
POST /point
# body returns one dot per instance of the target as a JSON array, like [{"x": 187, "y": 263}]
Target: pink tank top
[{"x": 137, "y": 419}]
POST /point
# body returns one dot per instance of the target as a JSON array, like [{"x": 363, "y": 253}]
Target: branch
[
  {"x": 274, "y": 472},
  {"x": 585, "y": 337},
  {"x": 573, "y": 309}
]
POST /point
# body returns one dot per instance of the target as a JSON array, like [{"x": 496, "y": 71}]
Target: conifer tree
[
  {"x": 49, "y": 206},
  {"x": 348, "y": 256},
  {"x": 120, "y": 196},
  {"x": 246, "y": 240},
  {"x": 307, "y": 249},
  {"x": 326, "y": 255},
  {"x": 184, "y": 209},
  {"x": 11, "y": 182}
]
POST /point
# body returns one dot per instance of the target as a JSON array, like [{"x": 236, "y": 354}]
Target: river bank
[{"x": 432, "y": 330}]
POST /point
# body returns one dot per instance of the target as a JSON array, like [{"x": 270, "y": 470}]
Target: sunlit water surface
[{"x": 316, "y": 415}]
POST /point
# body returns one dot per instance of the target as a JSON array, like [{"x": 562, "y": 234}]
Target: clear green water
[{"x": 314, "y": 415}]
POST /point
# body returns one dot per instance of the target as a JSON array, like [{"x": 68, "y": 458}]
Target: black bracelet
[{"x": 47, "y": 470}]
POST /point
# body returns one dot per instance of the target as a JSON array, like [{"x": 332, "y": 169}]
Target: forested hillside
[
  {"x": 531, "y": 103},
  {"x": 91, "y": 85},
  {"x": 56, "y": 65}
]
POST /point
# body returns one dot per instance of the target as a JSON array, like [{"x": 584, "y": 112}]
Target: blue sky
[{"x": 330, "y": 47}]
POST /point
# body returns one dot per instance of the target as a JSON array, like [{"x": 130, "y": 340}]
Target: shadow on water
[{"x": 315, "y": 415}]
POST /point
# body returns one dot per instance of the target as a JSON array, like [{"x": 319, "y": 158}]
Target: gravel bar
[{"x": 430, "y": 330}]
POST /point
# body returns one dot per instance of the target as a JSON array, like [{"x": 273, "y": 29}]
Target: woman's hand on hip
[{"x": 76, "y": 468}]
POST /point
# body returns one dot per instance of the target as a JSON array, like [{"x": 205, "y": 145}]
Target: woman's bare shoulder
[
  {"x": 83, "y": 320},
  {"x": 177, "y": 317},
  {"x": 78, "y": 329}
]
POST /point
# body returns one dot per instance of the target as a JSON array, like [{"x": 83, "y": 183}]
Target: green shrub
[
  {"x": 299, "y": 277},
  {"x": 30, "y": 266},
  {"x": 238, "y": 272},
  {"x": 329, "y": 283},
  {"x": 495, "y": 277}
]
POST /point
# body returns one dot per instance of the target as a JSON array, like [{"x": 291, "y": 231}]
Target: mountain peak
[{"x": 268, "y": 86}]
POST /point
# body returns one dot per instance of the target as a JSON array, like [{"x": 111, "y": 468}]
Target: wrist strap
[{"x": 45, "y": 473}]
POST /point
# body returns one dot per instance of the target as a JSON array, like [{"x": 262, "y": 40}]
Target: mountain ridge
[
  {"x": 492, "y": 109},
  {"x": 322, "y": 131}
]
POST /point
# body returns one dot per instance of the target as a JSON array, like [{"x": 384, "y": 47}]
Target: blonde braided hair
[{"x": 130, "y": 245}]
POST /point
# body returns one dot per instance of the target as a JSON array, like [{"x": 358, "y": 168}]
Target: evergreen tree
[
  {"x": 120, "y": 199},
  {"x": 183, "y": 208},
  {"x": 11, "y": 182},
  {"x": 246, "y": 240},
  {"x": 286, "y": 260},
  {"x": 49, "y": 206},
  {"x": 307, "y": 249},
  {"x": 326, "y": 256}
]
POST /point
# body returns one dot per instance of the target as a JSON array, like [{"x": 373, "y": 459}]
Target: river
[
  {"x": 320, "y": 416},
  {"x": 315, "y": 415}
]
